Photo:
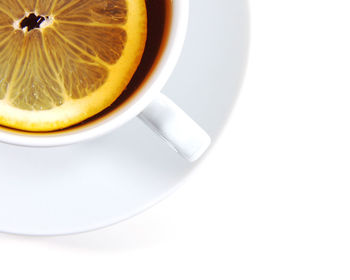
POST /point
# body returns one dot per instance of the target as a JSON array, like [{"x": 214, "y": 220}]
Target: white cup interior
[{"x": 116, "y": 118}]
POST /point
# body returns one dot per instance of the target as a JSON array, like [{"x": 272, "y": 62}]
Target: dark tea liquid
[
  {"x": 158, "y": 27},
  {"x": 159, "y": 19}
]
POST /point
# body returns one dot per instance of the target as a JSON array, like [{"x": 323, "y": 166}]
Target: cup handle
[{"x": 174, "y": 126}]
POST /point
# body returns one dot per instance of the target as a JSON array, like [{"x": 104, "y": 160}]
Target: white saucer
[{"x": 102, "y": 182}]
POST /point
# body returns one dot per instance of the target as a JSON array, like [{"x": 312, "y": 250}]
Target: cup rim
[{"x": 155, "y": 83}]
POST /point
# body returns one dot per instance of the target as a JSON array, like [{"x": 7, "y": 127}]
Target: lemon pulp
[{"x": 63, "y": 61}]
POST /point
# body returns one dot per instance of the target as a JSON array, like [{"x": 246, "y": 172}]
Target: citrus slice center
[{"x": 63, "y": 61}]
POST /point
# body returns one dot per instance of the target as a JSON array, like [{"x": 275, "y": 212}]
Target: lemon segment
[{"x": 71, "y": 67}]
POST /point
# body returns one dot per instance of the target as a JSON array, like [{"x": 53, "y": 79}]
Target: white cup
[{"x": 154, "y": 108}]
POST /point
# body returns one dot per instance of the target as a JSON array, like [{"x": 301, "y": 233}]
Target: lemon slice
[{"x": 63, "y": 61}]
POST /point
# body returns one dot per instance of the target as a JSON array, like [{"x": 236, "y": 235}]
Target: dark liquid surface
[{"x": 158, "y": 25}]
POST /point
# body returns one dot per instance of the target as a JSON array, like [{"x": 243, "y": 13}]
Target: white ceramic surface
[
  {"x": 135, "y": 106},
  {"x": 104, "y": 181}
]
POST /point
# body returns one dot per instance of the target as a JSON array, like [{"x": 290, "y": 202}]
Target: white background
[{"x": 271, "y": 201}]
